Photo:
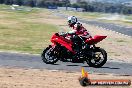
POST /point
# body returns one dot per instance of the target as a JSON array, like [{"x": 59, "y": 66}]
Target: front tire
[
  {"x": 95, "y": 61},
  {"x": 49, "y": 56}
]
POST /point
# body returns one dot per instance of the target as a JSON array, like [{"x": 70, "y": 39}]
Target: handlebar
[{"x": 64, "y": 34}]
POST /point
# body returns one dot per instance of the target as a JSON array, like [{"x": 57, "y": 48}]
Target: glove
[
  {"x": 72, "y": 32},
  {"x": 63, "y": 34}
]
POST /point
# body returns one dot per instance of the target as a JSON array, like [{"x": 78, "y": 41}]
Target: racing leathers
[{"x": 78, "y": 29}]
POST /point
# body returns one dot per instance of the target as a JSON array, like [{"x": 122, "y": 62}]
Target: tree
[
  {"x": 18, "y": 2},
  {"x": 29, "y": 3},
  {"x": 1, "y": 1},
  {"x": 8, "y": 2},
  {"x": 40, "y": 3}
]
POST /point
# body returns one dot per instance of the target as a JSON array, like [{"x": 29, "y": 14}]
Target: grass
[
  {"x": 30, "y": 31},
  {"x": 19, "y": 33},
  {"x": 121, "y": 41},
  {"x": 129, "y": 17}
]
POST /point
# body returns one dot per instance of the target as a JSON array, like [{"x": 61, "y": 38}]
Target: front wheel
[
  {"x": 99, "y": 58},
  {"x": 49, "y": 55}
]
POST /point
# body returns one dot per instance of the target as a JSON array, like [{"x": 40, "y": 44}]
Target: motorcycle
[{"x": 77, "y": 49}]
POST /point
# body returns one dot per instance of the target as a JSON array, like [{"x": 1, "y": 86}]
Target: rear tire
[
  {"x": 98, "y": 65},
  {"x": 49, "y": 56}
]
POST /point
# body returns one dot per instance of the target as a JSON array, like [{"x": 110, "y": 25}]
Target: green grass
[
  {"x": 129, "y": 17},
  {"x": 2, "y": 6},
  {"x": 19, "y": 33},
  {"x": 121, "y": 41}
]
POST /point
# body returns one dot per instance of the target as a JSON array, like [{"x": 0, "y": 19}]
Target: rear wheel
[
  {"x": 99, "y": 58},
  {"x": 49, "y": 55}
]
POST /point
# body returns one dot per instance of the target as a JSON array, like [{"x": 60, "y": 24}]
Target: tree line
[
  {"x": 36, "y": 3},
  {"x": 104, "y": 7},
  {"x": 87, "y": 6}
]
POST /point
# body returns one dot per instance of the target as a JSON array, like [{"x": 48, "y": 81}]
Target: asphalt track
[
  {"x": 114, "y": 27},
  {"x": 35, "y": 62}
]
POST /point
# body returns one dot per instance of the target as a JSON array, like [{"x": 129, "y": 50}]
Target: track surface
[
  {"x": 35, "y": 62},
  {"x": 114, "y": 27}
]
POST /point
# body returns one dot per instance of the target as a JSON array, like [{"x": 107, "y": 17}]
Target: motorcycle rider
[
  {"x": 77, "y": 27},
  {"x": 79, "y": 30}
]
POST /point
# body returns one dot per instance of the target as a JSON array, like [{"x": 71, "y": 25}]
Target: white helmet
[{"x": 72, "y": 20}]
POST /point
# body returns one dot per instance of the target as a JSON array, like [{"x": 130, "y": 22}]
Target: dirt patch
[
  {"x": 8, "y": 22},
  {"x": 2, "y": 15},
  {"x": 49, "y": 21},
  {"x": 38, "y": 78},
  {"x": 47, "y": 17}
]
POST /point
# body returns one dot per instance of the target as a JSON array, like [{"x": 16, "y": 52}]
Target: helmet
[{"x": 72, "y": 20}]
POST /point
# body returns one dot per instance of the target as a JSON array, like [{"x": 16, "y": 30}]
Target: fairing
[
  {"x": 61, "y": 40},
  {"x": 95, "y": 39}
]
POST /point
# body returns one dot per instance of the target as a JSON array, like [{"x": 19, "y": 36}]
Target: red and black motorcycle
[{"x": 77, "y": 49}]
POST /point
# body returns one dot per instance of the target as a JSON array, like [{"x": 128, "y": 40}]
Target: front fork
[
  {"x": 90, "y": 49},
  {"x": 94, "y": 55}
]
